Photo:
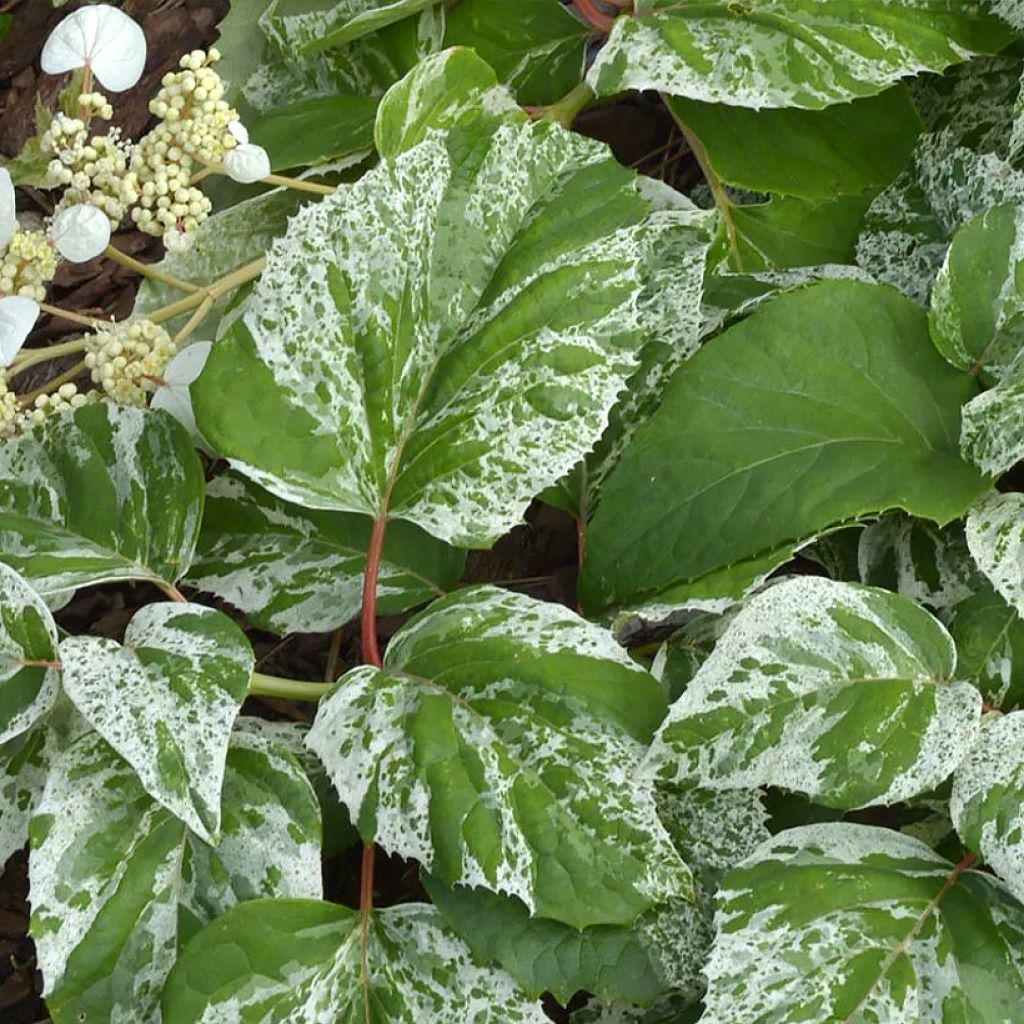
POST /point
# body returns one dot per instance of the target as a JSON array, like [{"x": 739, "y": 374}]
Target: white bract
[
  {"x": 101, "y": 38},
  {"x": 17, "y": 315},
  {"x": 80, "y": 232},
  {"x": 173, "y": 395},
  {"x": 247, "y": 163},
  {"x": 239, "y": 132}
]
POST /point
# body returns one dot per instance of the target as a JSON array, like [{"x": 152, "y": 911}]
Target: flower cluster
[
  {"x": 93, "y": 169},
  {"x": 193, "y": 130},
  {"x": 16, "y": 419},
  {"x": 28, "y": 264},
  {"x": 127, "y": 360}
]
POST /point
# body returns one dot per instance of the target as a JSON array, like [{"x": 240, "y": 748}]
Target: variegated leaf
[
  {"x": 351, "y": 19},
  {"x": 299, "y": 961},
  {"x": 102, "y": 493},
  {"x": 500, "y": 746},
  {"x": 28, "y": 639},
  {"x": 297, "y": 570},
  {"x": 117, "y": 879},
  {"x": 446, "y": 337},
  {"x": 986, "y": 802},
  {"x": 989, "y": 637},
  {"x": 834, "y": 690},
  {"x": 166, "y": 701},
  {"x": 995, "y": 538},
  {"x": 843, "y": 922},
  {"x": 24, "y": 766},
  {"x": 788, "y": 53}
]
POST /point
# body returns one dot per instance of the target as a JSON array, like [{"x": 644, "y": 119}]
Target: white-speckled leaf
[
  {"x": 500, "y": 746},
  {"x": 834, "y": 690},
  {"x": 908, "y": 226},
  {"x": 927, "y": 564},
  {"x": 987, "y": 800},
  {"x": 995, "y": 538},
  {"x": 444, "y": 338},
  {"x": 118, "y": 881},
  {"x": 977, "y": 303},
  {"x": 1011, "y": 11},
  {"x": 297, "y": 570},
  {"x": 166, "y": 701},
  {"x": 788, "y": 53},
  {"x": 24, "y": 766},
  {"x": 27, "y": 634},
  {"x": 843, "y": 922},
  {"x": 103, "y": 493},
  {"x": 302, "y": 962},
  {"x": 989, "y": 637},
  {"x": 992, "y": 424}
]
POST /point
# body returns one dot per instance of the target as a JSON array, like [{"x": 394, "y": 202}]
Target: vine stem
[
  {"x": 52, "y": 385},
  {"x": 286, "y": 689},
  {"x": 146, "y": 270},
  {"x": 722, "y": 201},
  {"x": 592, "y": 16},
  {"x": 75, "y": 318},
  {"x": 30, "y": 356},
  {"x": 371, "y": 655},
  {"x": 299, "y": 185}
]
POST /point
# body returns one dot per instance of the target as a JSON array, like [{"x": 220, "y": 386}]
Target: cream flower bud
[{"x": 247, "y": 163}]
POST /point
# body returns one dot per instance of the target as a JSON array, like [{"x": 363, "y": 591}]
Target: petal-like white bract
[
  {"x": 80, "y": 232},
  {"x": 173, "y": 395},
  {"x": 102, "y": 38},
  {"x": 17, "y": 315},
  {"x": 7, "y": 218},
  {"x": 238, "y": 132},
  {"x": 247, "y": 163}
]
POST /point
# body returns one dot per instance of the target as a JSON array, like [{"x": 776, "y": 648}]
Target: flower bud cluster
[
  {"x": 127, "y": 359},
  {"x": 193, "y": 131},
  {"x": 93, "y": 168},
  {"x": 28, "y": 263},
  {"x": 15, "y": 419}
]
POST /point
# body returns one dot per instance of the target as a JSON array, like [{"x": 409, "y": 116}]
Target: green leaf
[
  {"x": 166, "y": 701},
  {"x": 787, "y": 232},
  {"x": 847, "y": 148},
  {"x": 989, "y": 637},
  {"x": 353, "y": 19},
  {"x": 297, "y": 570},
  {"x": 444, "y": 338},
  {"x": 977, "y": 304},
  {"x": 24, "y": 766},
  {"x": 314, "y": 130},
  {"x": 441, "y": 91},
  {"x": 116, "y": 878},
  {"x": 535, "y": 46},
  {"x": 500, "y": 747},
  {"x": 992, "y": 432},
  {"x": 788, "y": 53},
  {"x": 995, "y": 538},
  {"x": 611, "y": 961},
  {"x": 271, "y": 961},
  {"x": 27, "y": 634},
  {"x": 853, "y": 923},
  {"x": 834, "y": 690},
  {"x": 825, "y": 405},
  {"x": 103, "y": 493},
  {"x": 986, "y": 800}
]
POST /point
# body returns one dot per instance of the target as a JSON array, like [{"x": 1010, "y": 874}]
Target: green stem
[
  {"x": 287, "y": 689},
  {"x": 51, "y": 385},
  {"x": 74, "y": 318},
  {"x": 298, "y": 185},
  {"x": 31, "y": 356},
  {"x": 569, "y": 107},
  {"x": 146, "y": 270}
]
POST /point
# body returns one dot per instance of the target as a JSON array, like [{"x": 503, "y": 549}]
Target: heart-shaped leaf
[
  {"x": 297, "y": 570},
  {"x": 118, "y": 881},
  {"x": 272, "y": 961},
  {"x": 166, "y": 701},
  {"x": 443, "y": 339},
  {"x": 830, "y": 689},
  {"x": 995, "y": 538},
  {"x": 844, "y": 922},
  {"x": 500, "y": 747},
  {"x": 102, "y": 493},
  {"x": 28, "y": 641},
  {"x": 788, "y": 53}
]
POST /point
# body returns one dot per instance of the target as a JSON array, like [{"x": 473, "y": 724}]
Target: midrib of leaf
[{"x": 904, "y": 944}]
